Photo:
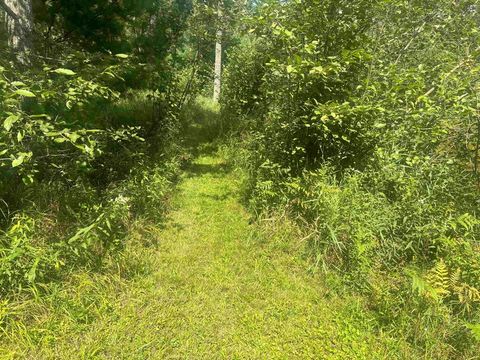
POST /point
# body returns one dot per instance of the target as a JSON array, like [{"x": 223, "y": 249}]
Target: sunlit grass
[{"x": 207, "y": 284}]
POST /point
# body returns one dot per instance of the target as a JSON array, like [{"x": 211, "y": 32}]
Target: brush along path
[{"x": 220, "y": 289}]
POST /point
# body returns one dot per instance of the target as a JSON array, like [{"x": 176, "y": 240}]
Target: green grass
[{"x": 206, "y": 284}]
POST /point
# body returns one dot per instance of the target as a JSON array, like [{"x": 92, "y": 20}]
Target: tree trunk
[
  {"x": 218, "y": 57},
  {"x": 19, "y": 24}
]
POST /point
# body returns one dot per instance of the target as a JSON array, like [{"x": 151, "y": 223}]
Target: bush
[
  {"x": 74, "y": 167},
  {"x": 365, "y": 132}
]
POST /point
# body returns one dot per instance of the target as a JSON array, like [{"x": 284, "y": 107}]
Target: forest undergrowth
[
  {"x": 200, "y": 281},
  {"x": 349, "y": 129},
  {"x": 365, "y": 133}
]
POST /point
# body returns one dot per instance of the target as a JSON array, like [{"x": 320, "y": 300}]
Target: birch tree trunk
[
  {"x": 218, "y": 56},
  {"x": 19, "y": 24}
]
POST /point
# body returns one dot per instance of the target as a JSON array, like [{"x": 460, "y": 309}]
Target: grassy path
[{"x": 219, "y": 289}]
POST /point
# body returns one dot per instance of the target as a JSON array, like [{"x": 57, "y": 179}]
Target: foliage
[
  {"x": 367, "y": 133},
  {"x": 76, "y": 139},
  {"x": 35, "y": 135},
  {"x": 148, "y": 27},
  {"x": 357, "y": 119},
  {"x": 61, "y": 228}
]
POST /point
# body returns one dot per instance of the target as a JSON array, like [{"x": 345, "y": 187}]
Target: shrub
[{"x": 366, "y": 131}]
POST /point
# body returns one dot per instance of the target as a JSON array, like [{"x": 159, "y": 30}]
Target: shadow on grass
[
  {"x": 202, "y": 126},
  {"x": 223, "y": 197},
  {"x": 194, "y": 169}
]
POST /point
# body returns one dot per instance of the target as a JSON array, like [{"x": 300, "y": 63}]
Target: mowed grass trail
[{"x": 218, "y": 288}]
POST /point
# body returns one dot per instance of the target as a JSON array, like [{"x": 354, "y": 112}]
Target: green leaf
[
  {"x": 122, "y": 56},
  {"x": 317, "y": 70},
  {"x": 18, "y": 84},
  {"x": 81, "y": 232},
  {"x": 26, "y": 93},
  {"x": 66, "y": 72},
  {"x": 32, "y": 273},
  {"x": 20, "y": 136},
  {"x": 73, "y": 137},
  {"x": 18, "y": 161},
  {"x": 9, "y": 121}
]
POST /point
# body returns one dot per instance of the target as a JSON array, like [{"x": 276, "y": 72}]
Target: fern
[
  {"x": 442, "y": 283},
  {"x": 467, "y": 296},
  {"x": 439, "y": 279},
  {"x": 455, "y": 278}
]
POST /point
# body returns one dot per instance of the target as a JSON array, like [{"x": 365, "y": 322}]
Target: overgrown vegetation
[
  {"x": 87, "y": 139},
  {"x": 360, "y": 118},
  {"x": 355, "y": 125}
]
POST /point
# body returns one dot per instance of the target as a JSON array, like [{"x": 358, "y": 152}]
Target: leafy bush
[
  {"x": 39, "y": 247},
  {"x": 74, "y": 152},
  {"x": 366, "y": 131}
]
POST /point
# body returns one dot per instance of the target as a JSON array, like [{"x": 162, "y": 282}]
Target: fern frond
[
  {"x": 439, "y": 279},
  {"x": 455, "y": 278},
  {"x": 467, "y": 296}
]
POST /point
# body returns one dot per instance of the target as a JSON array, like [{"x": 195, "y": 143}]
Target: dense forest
[{"x": 271, "y": 178}]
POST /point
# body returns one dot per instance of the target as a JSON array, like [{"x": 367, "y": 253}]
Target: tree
[
  {"x": 218, "y": 54},
  {"x": 19, "y": 24},
  {"x": 213, "y": 22}
]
